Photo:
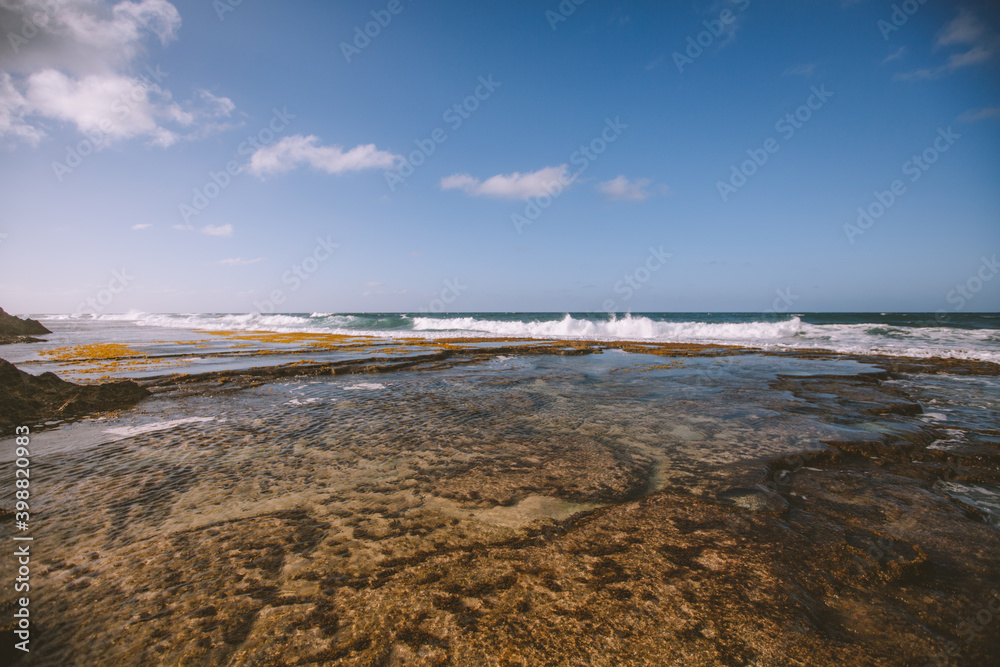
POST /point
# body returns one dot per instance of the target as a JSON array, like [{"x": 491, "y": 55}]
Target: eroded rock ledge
[
  {"x": 15, "y": 330},
  {"x": 26, "y": 400}
]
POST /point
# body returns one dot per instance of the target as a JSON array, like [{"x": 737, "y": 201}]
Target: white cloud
[
  {"x": 297, "y": 150},
  {"x": 621, "y": 188},
  {"x": 78, "y": 67},
  {"x": 239, "y": 261},
  {"x": 547, "y": 180},
  {"x": 217, "y": 230},
  {"x": 800, "y": 70},
  {"x": 459, "y": 182},
  {"x": 656, "y": 62},
  {"x": 895, "y": 55},
  {"x": 977, "y": 54},
  {"x": 919, "y": 74},
  {"x": 980, "y": 114},
  {"x": 118, "y": 107},
  {"x": 13, "y": 108},
  {"x": 82, "y": 36},
  {"x": 967, "y": 32},
  {"x": 964, "y": 29},
  {"x": 217, "y": 106},
  {"x": 141, "y": 225}
]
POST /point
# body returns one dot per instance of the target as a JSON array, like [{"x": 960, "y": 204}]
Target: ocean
[{"x": 949, "y": 335}]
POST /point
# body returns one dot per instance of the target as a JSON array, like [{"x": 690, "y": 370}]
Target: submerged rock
[
  {"x": 27, "y": 399},
  {"x": 7, "y": 340},
  {"x": 430, "y": 525},
  {"x": 756, "y": 499}
]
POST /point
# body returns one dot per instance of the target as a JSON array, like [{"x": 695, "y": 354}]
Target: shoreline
[
  {"x": 122, "y": 358},
  {"x": 766, "y": 561},
  {"x": 115, "y": 361}
]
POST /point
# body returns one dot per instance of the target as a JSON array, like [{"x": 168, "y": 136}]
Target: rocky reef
[
  {"x": 15, "y": 330},
  {"x": 27, "y": 399},
  {"x": 491, "y": 518}
]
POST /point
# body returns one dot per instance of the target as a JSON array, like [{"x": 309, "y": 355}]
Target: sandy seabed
[{"x": 517, "y": 503}]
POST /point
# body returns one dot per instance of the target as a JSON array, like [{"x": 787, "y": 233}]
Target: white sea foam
[
  {"x": 791, "y": 333},
  {"x": 626, "y": 328},
  {"x": 126, "y": 431}
]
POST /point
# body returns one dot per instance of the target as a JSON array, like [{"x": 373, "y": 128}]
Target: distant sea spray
[{"x": 964, "y": 335}]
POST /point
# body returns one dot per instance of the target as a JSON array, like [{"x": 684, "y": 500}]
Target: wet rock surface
[
  {"x": 16, "y": 330},
  {"x": 26, "y": 400},
  {"x": 756, "y": 499},
  {"x": 10, "y": 340},
  {"x": 527, "y": 517}
]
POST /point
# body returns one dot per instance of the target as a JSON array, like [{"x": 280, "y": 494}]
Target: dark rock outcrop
[
  {"x": 27, "y": 399},
  {"x": 15, "y": 326},
  {"x": 15, "y": 330}
]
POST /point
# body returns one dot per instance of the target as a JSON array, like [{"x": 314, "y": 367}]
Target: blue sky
[{"x": 162, "y": 95}]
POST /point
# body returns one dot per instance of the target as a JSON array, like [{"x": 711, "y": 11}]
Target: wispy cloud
[
  {"x": 621, "y": 188},
  {"x": 511, "y": 186},
  {"x": 964, "y": 29},
  {"x": 967, "y": 32},
  {"x": 728, "y": 30},
  {"x": 142, "y": 225},
  {"x": 656, "y": 62},
  {"x": 217, "y": 230},
  {"x": 239, "y": 261},
  {"x": 296, "y": 150},
  {"x": 14, "y": 110},
  {"x": 980, "y": 114},
  {"x": 800, "y": 70},
  {"x": 895, "y": 55}
]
